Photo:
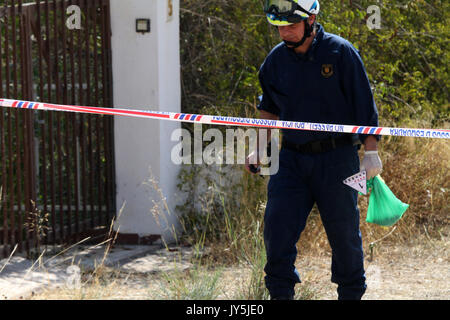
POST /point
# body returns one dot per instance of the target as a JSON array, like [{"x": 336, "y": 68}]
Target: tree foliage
[{"x": 223, "y": 43}]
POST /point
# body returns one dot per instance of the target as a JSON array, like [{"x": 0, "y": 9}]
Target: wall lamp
[{"x": 142, "y": 26}]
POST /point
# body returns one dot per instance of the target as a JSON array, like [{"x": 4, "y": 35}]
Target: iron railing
[{"x": 56, "y": 170}]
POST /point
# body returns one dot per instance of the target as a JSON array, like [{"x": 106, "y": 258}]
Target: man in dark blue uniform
[{"x": 315, "y": 76}]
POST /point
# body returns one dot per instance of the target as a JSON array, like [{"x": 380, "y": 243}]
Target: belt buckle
[{"x": 316, "y": 147}]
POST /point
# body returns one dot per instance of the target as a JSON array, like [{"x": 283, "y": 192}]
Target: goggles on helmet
[
  {"x": 286, "y": 10},
  {"x": 280, "y": 8}
]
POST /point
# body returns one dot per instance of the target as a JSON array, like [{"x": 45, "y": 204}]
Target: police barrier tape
[{"x": 235, "y": 121}]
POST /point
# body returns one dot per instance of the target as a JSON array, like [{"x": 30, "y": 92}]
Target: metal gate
[{"x": 56, "y": 169}]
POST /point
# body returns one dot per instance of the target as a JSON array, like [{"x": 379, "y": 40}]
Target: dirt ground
[
  {"x": 415, "y": 271},
  {"x": 419, "y": 271}
]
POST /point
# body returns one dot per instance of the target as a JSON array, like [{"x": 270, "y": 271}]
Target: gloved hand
[{"x": 372, "y": 164}]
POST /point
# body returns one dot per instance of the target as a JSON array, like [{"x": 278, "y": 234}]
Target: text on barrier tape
[{"x": 235, "y": 121}]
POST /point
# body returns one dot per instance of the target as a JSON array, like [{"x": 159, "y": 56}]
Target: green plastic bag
[{"x": 384, "y": 208}]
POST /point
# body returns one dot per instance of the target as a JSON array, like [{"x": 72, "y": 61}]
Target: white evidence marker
[{"x": 358, "y": 182}]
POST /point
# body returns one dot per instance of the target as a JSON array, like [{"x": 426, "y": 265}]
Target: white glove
[{"x": 372, "y": 164}]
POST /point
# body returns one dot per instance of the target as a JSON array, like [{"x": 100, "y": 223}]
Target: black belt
[{"x": 319, "y": 146}]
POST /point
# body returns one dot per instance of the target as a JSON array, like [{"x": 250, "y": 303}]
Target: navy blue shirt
[{"x": 327, "y": 84}]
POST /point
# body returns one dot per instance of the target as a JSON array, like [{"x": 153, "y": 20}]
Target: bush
[{"x": 223, "y": 44}]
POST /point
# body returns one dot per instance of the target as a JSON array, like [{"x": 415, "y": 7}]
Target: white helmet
[{"x": 287, "y": 12}]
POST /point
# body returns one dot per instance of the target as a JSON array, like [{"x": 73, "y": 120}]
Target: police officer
[{"x": 315, "y": 76}]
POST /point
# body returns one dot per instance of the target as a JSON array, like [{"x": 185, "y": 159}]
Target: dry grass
[
  {"x": 417, "y": 172},
  {"x": 413, "y": 270}
]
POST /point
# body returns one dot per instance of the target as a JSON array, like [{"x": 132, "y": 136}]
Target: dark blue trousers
[{"x": 302, "y": 180}]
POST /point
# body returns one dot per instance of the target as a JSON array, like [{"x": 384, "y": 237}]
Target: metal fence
[{"x": 56, "y": 170}]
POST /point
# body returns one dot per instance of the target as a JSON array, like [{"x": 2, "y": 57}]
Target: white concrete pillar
[{"x": 146, "y": 75}]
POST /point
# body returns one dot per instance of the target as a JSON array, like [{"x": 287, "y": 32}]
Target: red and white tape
[{"x": 234, "y": 121}]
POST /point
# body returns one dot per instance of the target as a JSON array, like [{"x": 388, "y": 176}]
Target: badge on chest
[{"x": 327, "y": 70}]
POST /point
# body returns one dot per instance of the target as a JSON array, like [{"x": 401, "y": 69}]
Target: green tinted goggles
[{"x": 284, "y": 8}]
